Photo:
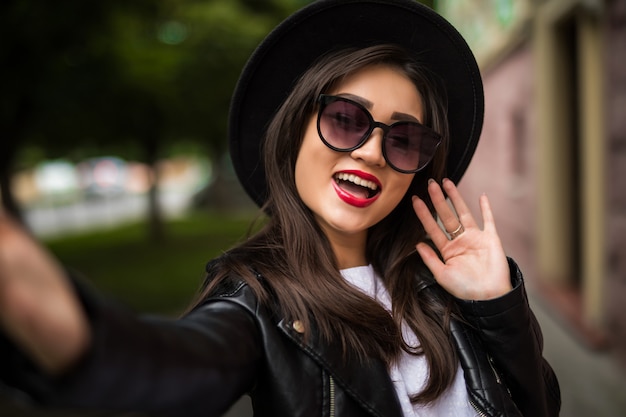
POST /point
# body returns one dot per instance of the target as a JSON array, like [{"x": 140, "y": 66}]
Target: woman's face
[{"x": 327, "y": 180}]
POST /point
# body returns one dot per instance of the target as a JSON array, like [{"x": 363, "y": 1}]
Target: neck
[{"x": 349, "y": 250}]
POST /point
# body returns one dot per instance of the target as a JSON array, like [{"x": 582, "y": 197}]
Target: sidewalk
[{"x": 592, "y": 384}]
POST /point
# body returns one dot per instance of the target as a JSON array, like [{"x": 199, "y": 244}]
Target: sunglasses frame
[{"x": 324, "y": 100}]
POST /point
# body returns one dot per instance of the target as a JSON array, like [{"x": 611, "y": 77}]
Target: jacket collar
[{"x": 368, "y": 383}]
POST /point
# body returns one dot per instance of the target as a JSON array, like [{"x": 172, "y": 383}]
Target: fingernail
[{"x": 430, "y": 181}]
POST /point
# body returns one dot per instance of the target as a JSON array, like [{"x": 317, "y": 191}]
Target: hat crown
[{"x": 327, "y": 25}]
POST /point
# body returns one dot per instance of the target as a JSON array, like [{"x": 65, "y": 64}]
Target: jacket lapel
[{"x": 367, "y": 383}]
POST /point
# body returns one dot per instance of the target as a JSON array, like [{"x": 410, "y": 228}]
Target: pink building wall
[{"x": 505, "y": 167}]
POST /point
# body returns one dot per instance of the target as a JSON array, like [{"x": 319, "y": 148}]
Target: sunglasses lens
[
  {"x": 343, "y": 125},
  {"x": 409, "y": 147}
]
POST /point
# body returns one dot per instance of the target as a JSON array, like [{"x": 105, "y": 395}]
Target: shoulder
[
  {"x": 220, "y": 281},
  {"x": 232, "y": 282}
]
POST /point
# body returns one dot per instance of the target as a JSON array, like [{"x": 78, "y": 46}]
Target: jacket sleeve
[
  {"x": 512, "y": 337},
  {"x": 195, "y": 366}
]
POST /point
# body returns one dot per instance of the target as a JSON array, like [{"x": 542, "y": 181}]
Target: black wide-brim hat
[{"x": 328, "y": 25}]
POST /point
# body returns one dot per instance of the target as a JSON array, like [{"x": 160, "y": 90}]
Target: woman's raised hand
[
  {"x": 473, "y": 265},
  {"x": 39, "y": 310}
]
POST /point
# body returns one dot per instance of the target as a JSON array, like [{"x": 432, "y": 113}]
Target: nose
[{"x": 371, "y": 152}]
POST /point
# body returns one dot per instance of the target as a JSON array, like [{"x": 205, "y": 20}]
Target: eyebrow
[{"x": 368, "y": 104}]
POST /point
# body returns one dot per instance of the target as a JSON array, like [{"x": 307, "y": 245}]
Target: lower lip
[{"x": 352, "y": 200}]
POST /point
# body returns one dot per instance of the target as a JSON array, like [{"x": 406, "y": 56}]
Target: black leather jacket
[{"x": 230, "y": 345}]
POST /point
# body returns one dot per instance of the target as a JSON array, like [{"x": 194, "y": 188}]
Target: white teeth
[{"x": 357, "y": 180}]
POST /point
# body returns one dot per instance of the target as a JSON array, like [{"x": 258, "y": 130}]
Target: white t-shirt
[{"x": 410, "y": 372}]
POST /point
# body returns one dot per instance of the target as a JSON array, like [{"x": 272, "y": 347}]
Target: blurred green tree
[
  {"x": 126, "y": 77},
  {"x": 122, "y": 76},
  {"x": 50, "y": 63}
]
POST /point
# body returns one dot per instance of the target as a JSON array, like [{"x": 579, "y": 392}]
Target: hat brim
[{"x": 327, "y": 25}]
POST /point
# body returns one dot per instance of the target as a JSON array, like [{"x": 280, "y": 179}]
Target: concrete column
[
  {"x": 592, "y": 164},
  {"x": 571, "y": 146},
  {"x": 555, "y": 222}
]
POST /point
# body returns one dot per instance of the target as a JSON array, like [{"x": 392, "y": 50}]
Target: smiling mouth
[{"x": 356, "y": 186}]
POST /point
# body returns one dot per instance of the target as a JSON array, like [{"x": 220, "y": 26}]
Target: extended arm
[{"x": 62, "y": 346}]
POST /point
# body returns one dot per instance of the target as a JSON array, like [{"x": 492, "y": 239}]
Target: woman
[{"x": 352, "y": 300}]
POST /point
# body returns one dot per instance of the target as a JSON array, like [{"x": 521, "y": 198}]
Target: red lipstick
[{"x": 351, "y": 199}]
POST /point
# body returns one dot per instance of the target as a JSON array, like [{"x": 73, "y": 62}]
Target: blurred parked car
[
  {"x": 103, "y": 176},
  {"x": 56, "y": 179}
]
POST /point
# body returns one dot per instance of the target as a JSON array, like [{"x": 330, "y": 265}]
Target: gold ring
[{"x": 454, "y": 234}]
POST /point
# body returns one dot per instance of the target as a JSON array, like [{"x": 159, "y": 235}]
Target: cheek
[
  {"x": 306, "y": 162},
  {"x": 400, "y": 188},
  {"x": 303, "y": 176}
]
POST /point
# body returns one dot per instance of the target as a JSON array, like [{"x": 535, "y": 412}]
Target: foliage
[
  {"x": 149, "y": 276},
  {"x": 126, "y": 77},
  {"x": 93, "y": 75}
]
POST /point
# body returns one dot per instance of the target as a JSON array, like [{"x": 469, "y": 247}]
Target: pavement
[{"x": 593, "y": 384}]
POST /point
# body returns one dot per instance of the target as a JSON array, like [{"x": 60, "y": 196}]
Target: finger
[
  {"x": 430, "y": 258},
  {"x": 462, "y": 211},
  {"x": 489, "y": 223},
  {"x": 431, "y": 227},
  {"x": 446, "y": 214}
]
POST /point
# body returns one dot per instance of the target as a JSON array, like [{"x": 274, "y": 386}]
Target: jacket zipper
[
  {"x": 498, "y": 379},
  {"x": 493, "y": 369},
  {"x": 480, "y": 412},
  {"x": 331, "y": 412}
]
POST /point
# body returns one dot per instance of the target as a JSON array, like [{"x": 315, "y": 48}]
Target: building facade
[{"x": 552, "y": 155}]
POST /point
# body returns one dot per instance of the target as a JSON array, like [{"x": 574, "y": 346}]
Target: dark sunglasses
[{"x": 345, "y": 125}]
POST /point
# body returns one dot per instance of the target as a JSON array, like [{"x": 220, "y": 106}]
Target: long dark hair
[{"x": 301, "y": 280}]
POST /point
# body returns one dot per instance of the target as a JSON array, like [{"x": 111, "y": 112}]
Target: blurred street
[
  {"x": 100, "y": 212},
  {"x": 592, "y": 383}
]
